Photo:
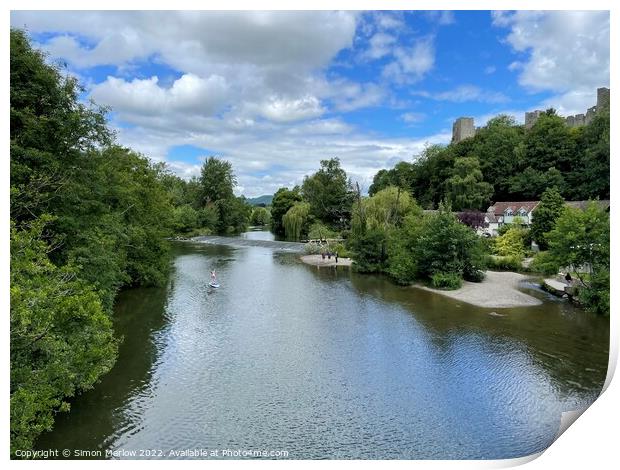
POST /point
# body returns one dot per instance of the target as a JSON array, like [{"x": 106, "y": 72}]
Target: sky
[{"x": 276, "y": 92}]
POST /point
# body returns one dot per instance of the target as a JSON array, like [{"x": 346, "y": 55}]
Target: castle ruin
[
  {"x": 602, "y": 102},
  {"x": 462, "y": 129}
]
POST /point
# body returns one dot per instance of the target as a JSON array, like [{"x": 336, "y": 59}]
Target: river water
[{"x": 325, "y": 363}]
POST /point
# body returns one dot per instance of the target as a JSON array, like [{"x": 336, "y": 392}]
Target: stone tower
[
  {"x": 602, "y": 99},
  {"x": 531, "y": 117},
  {"x": 463, "y": 128}
]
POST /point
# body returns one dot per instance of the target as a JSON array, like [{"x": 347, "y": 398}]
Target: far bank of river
[{"x": 326, "y": 363}]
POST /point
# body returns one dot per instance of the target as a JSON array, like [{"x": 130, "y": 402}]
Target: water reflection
[{"x": 329, "y": 364}]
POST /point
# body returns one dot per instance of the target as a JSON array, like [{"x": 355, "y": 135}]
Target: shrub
[
  {"x": 312, "y": 248},
  {"x": 505, "y": 263},
  {"x": 473, "y": 275},
  {"x": 511, "y": 243},
  {"x": 448, "y": 281},
  {"x": 544, "y": 263},
  {"x": 321, "y": 231}
]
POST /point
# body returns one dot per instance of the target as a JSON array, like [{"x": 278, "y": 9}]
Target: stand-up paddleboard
[{"x": 215, "y": 285}]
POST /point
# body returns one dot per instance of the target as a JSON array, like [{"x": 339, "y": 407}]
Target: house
[
  {"x": 492, "y": 225},
  {"x": 510, "y": 212}
]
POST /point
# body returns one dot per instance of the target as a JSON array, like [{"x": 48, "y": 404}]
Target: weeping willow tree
[
  {"x": 384, "y": 210},
  {"x": 295, "y": 219}
]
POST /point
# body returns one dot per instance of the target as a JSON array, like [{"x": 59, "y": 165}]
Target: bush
[
  {"x": 544, "y": 263},
  {"x": 448, "y": 281},
  {"x": 319, "y": 231},
  {"x": 511, "y": 243},
  {"x": 505, "y": 263},
  {"x": 473, "y": 275},
  {"x": 312, "y": 248}
]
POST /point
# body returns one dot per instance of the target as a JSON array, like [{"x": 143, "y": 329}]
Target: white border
[{"x": 591, "y": 442}]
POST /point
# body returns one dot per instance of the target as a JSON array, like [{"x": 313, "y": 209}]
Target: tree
[
  {"x": 283, "y": 200},
  {"x": 494, "y": 145},
  {"x": 385, "y": 210},
  {"x": 61, "y": 338},
  {"x": 51, "y": 130},
  {"x": 465, "y": 188},
  {"x": 444, "y": 245},
  {"x": 401, "y": 176},
  {"x": 329, "y": 193},
  {"x": 590, "y": 179},
  {"x": 531, "y": 183},
  {"x": 546, "y": 213},
  {"x": 511, "y": 243},
  {"x": 217, "y": 181},
  {"x": 580, "y": 241},
  {"x": 296, "y": 221},
  {"x": 260, "y": 216}
]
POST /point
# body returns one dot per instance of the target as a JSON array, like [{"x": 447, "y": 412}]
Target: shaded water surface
[{"x": 331, "y": 364}]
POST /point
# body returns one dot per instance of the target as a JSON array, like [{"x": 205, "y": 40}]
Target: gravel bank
[{"x": 498, "y": 290}]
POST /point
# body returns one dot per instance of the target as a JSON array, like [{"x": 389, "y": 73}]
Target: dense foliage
[
  {"x": 88, "y": 217},
  {"x": 506, "y": 162},
  {"x": 548, "y": 210},
  {"x": 580, "y": 243}
]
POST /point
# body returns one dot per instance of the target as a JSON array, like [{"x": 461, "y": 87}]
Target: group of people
[{"x": 329, "y": 255}]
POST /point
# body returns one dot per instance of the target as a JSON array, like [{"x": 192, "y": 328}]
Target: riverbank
[
  {"x": 498, "y": 290},
  {"x": 318, "y": 260}
]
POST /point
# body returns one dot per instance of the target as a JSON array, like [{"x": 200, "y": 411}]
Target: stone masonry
[
  {"x": 462, "y": 129},
  {"x": 602, "y": 102}
]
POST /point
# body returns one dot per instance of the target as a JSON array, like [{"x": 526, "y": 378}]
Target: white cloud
[
  {"x": 570, "y": 103},
  {"x": 442, "y": 17},
  {"x": 283, "y": 110},
  {"x": 465, "y": 93},
  {"x": 261, "y": 100},
  {"x": 490, "y": 69},
  {"x": 189, "y": 93},
  {"x": 381, "y": 44},
  {"x": 411, "y": 64},
  {"x": 566, "y": 50},
  {"x": 412, "y": 117}
]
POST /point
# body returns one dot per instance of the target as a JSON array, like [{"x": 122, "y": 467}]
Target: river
[{"x": 325, "y": 363}]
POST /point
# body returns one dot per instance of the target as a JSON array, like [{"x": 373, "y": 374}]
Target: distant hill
[{"x": 264, "y": 200}]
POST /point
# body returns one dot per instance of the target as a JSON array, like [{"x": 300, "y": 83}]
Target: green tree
[
  {"x": 511, "y": 243},
  {"x": 580, "y": 241},
  {"x": 51, "y": 130},
  {"x": 283, "y": 200},
  {"x": 494, "y": 145},
  {"x": 296, "y": 221},
  {"x": 260, "y": 216},
  {"x": 465, "y": 188},
  {"x": 61, "y": 338},
  {"x": 546, "y": 213},
  {"x": 385, "y": 210},
  {"x": 590, "y": 179},
  {"x": 444, "y": 245},
  {"x": 217, "y": 181},
  {"x": 329, "y": 193}
]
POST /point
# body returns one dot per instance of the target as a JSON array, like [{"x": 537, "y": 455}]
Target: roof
[
  {"x": 603, "y": 204},
  {"x": 500, "y": 207},
  {"x": 491, "y": 218}
]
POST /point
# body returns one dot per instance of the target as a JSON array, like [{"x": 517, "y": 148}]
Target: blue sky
[{"x": 276, "y": 92}]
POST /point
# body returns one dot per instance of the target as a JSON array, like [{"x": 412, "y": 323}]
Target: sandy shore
[
  {"x": 317, "y": 260},
  {"x": 498, "y": 290}
]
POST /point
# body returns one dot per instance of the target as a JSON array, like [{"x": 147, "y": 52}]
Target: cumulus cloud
[
  {"x": 565, "y": 50},
  {"x": 412, "y": 63},
  {"x": 252, "y": 87},
  {"x": 189, "y": 93}
]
